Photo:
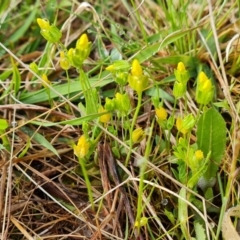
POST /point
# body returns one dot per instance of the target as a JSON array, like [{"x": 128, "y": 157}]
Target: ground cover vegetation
[{"x": 119, "y": 119}]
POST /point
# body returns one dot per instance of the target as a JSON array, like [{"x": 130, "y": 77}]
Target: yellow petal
[
  {"x": 136, "y": 68},
  {"x": 43, "y": 24},
  {"x": 181, "y": 67},
  {"x": 161, "y": 113}
]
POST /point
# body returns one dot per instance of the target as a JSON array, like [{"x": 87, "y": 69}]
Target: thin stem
[
  {"x": 86, "y": 178},
  {"x": 132, "y": 126}
]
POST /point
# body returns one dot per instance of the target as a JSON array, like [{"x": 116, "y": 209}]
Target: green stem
[
  {"x": 142, "y": 174},
  {"x": 86, "y": 178},
  {"x": 68, "y": 79},
  {"x": 132, "y": 126}
]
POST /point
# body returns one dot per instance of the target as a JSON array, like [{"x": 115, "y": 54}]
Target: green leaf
[
  {"x": 200, "y": 231},
  {"x": 211, "y": 137},
  {"x": 16, "y": 78},
  {"x": 183, "y": 213},
  {"x": 40, "y": 139},
  {"x": 24, "y": 151},
  {"x": 4, "y": 5},
  {"x": 61, "y": 89},
  {"x": 72, "y": 122},
  {"x": 3, "y": 124}
]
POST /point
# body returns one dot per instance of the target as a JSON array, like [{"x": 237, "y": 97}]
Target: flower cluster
[
  {"x": 121, "y": 104},
  {"x": 77, "y": 55}
]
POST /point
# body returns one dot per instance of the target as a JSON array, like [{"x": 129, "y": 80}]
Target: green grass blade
[
  {"x": 40, "y": 139},
  {"x": 23, "y": 29}
]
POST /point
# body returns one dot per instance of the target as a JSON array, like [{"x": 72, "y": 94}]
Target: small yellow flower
[
  {"x": 185, "y": 124},
  {"x": 104, "y": 118},
  {"x": 50, "y": 32},
  {"x": 45, "y": 80},
  {"x": 64, "y": 62},
  {"x": 202, "y": 77},
  {"x": 207, "y": 86},
  {"x": 199, "y": 155},
  {"x": 205, "y": 90},
  {"x": 136, "y": 68},
  {"x": 137, "y": 135},
  {"x": 82, "y": 147},
  {"x": 161, "y": 113},
  {"x": 179, "y": 125},
  {"x": 181, "y": 67},
  {"x": 136, "y": 79},
  {"x": 143, "y": 222},
  {"x": 33, "y": 66},
  {"x": 43, "y": 24},
  {"x": 83, "y": 42},
  {"x": 110, "y": 68}
]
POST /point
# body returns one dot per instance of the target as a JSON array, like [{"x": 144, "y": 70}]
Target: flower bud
[
  {"x": 161, "y": 113},
  {"x": 136, "y": 79},
  {"x": 64, "y": 62},
  {"x": 122, "y": 103},
  {"x": 182, "y": 77},
  {"x": 179, "y": 89},
  {"x": 186, "y": 124},
  {"x": 137, "y": 135},
  {"x": 45, "y": 80},
  {"x": 84, "y": 46},
  {"x": 143, "y": 222},
  {"x": 104, "y": 118},
  {"x": 199, "y": 155},
  {"x": 50, "y": 32},
  {"x": 181, "y": 74},
  {"x": 136, "y": 68},
  {"x": 34, "y": 67},
  {"x": 205, "y": 90},
  {"x": 82, "y": 147}
]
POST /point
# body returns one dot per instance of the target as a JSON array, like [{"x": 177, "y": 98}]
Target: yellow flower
[
  {"x": 81, "y": 52},
  {"x": 45, "y": 80},
  {"x": 43, "y": 24},
  {"x": 83, "y": 42},
  {"x": 64, "y": 62},
  {"x": 205, "y": 91},
  {"x": 186, "y": 124},
  {"x": 181, "y": 67},
  {"x": 199, "y": 155},
  {"x": 104, "y": 118},
  {"x": 182, "y": 77},
  {"x": 137, "y": 135},
  {"x": 161, "y": 113},
  {"x": 136, "y": 68},
  {"x": 110, "y": 68},
  {"x": 179, "y": 125},
  {"x": 50, "y": 32},
  {"x": 82, "y": 147},
  {"x": 143, "y": 222},
  {"x": 136, "y": 79}
]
